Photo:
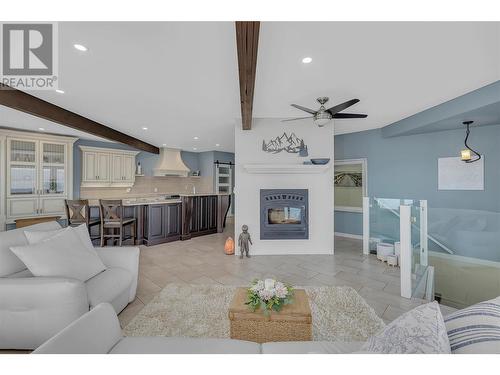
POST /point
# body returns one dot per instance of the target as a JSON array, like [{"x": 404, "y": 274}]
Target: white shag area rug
[{"x": 339, "y": 313}]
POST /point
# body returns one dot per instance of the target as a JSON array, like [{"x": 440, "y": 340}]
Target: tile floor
[{"x": 202, "y": 261}]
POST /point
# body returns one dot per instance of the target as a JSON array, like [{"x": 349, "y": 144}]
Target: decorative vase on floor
[{"x": 229, "y": 246}]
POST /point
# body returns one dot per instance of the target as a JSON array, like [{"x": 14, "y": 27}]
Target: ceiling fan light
[
  {"x": 321, "y": 121},
  {"x": 322, "y": 118}
]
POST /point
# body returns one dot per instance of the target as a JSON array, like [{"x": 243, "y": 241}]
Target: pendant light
[{"x": 468, "y": 155}]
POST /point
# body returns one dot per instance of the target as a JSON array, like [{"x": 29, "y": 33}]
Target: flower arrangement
[{"x": 269, "y": 295}]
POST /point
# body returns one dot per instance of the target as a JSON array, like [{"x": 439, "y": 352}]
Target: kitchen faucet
[{"x": 193, "y": 185}]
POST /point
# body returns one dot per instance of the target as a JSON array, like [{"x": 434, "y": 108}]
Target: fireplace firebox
[{"x": 284, "y": 214}]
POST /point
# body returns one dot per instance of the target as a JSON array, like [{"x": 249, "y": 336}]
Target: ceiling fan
[{"x": 322, "y": 116}]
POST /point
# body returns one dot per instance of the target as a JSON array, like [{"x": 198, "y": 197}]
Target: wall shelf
[{"x": 285, "y": 168}]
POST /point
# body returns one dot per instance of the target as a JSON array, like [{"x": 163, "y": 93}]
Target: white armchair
[{"x": 33, "y": 309}]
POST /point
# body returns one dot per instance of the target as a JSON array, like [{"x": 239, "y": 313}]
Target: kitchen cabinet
[
  {"x": 95, "y": 167},
  {"x": 200, "y": 215},
  {"x": 123, "y": 168},
  {"x": 162, "y": 223},
  {"x": 103, "y": 167},
  {"x": 39, "y": 174}
]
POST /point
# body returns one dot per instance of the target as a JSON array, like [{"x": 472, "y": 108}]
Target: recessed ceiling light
[
  {"x": 307, "y": 60},
  {"x": 196, "y": 138},
  {"x": 80, "y": 47},
  {"x": 144, "y": 128},
  {"x": 41, "y": 129},
  {"x": 194, "y": 148},
  {"x": 217, "y": 145},
  {"x": 60, "y": 91}
]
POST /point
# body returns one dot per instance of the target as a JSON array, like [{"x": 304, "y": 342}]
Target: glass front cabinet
[{"x": 39, "y": 175}]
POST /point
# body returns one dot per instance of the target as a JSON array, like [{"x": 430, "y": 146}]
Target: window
[{"x": 350, "y": 184}]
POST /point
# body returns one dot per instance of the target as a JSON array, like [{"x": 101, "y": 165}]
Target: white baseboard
[{"x": 349, "y": 235}]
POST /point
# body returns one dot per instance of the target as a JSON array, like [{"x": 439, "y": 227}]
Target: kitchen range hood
[{"x": 171, "y": 163}]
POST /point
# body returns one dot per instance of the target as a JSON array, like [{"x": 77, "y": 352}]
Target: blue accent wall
[
  {"x": 406, "y": 167},
  {"x": 349, "y": 222}
]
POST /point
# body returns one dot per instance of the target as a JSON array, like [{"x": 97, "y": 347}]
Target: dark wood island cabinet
[
  {"x": 181, "y": 218},
  {"x": 203, "y": 214},
  {"x": 162, "y": 223}
]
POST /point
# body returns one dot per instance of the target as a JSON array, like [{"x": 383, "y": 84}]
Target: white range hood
[{"x": 171, "y": 163}]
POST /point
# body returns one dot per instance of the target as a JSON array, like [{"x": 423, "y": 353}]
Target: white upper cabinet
[
  {"x": 39, "y": 171},
  {"x": 128, "y": 168},
  {"x": 103, "y": 167},
  {"x": 89, "y": 166}
]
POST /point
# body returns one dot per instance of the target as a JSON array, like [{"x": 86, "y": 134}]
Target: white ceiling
[
  {"x": 180, "y": 79},
  {"x": 395, "y": 69}
]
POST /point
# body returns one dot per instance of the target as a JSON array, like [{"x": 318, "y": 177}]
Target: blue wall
[
  {"x": 406, "y": 167},
  {"x": 148, "y": 161}
]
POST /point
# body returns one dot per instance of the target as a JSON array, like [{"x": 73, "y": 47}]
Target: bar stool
[
  {"x": 111, "y": 212},
  {"x": 78, "y": 213}
]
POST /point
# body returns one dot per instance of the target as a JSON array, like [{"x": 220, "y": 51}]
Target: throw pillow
[
  {"x": 63, "y": 255},
  {"x": 475, "y": 329},
  {"x": 34, "y": 237},
  {"x": 419, "y": 331}
]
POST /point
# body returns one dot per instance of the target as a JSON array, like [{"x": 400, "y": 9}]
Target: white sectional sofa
[
  {"x": 33, "y": 309},
  {"x": 99, "y": 332}
]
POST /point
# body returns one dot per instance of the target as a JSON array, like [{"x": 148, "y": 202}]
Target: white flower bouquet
[{"x": 269, "y": 295}]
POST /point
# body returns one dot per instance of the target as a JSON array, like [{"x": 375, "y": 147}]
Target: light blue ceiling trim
[{"x": 483, "y": 104}]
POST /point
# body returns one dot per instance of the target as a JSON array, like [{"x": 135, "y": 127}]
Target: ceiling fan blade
[
  {"x": 349, "y": 115},
  {"x": 311, "y": 111},
  {"x": 293, "y": 119},
  {"x": 341, "y": 107}
]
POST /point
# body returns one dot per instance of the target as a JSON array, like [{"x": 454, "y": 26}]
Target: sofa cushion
[
  {"x": 63, "y": 255},
  {"x": 475, "y": 329},
  {"x": 183, "y": 345},
  {"x": 35, "y": 236},
  {"x": 419, "y": 331},
  {"x": 311, "y": 347},
  {"x": 111, "y": 286},
  {"x": 95, "y": 332},
  {"x": 9, "y": 262}
]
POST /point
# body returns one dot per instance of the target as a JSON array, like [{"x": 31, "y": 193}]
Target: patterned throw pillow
[
  {"x": 475, "y": 329},
  {"x": 419, "y": 331}
]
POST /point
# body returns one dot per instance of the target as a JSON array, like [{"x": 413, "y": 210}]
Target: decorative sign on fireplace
[{"x": 284, "y": 214}]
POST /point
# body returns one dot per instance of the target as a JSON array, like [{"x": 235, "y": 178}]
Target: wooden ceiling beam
[
  {"x": 27, "y": 103},
  {"x": 247, "y": 42}
]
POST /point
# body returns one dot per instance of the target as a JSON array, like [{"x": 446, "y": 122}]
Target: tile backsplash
[{"x": 146, "y": 186}]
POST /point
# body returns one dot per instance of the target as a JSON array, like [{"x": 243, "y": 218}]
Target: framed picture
[{"x": 350, "y": 184}]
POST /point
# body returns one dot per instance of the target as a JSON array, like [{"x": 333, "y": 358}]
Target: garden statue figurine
[{"x": 243, "y": 241}]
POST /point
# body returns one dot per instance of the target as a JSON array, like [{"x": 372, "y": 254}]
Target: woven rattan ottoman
[{"x": 292, "y": 323}]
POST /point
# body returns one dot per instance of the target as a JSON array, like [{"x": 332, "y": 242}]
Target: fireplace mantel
[{"x": 263, "y": 168}]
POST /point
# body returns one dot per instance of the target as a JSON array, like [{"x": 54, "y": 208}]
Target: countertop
[{"x": 155, "y": 198}]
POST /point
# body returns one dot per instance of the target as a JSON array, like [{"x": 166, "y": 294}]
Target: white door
[
  {"x": 103, "y": 164},
  {"x": 53, "y": 169},
  {"x": 52, "y": 206},
  {"x": 22, "y": 207},
  {"x": 128, "y": 168},
  {"x": 117, "y": 169},
  {"x": 22, "y": 168},
  {"x": 89, "y": 166}
]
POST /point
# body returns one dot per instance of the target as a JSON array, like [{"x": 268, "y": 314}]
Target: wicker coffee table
[{"x": 292, "y": 323}]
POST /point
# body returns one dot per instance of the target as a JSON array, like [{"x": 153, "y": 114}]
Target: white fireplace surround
[{"x": 256, "y": 169}]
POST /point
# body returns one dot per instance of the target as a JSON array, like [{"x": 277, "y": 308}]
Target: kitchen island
[{"x": 166, "y": 218}]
